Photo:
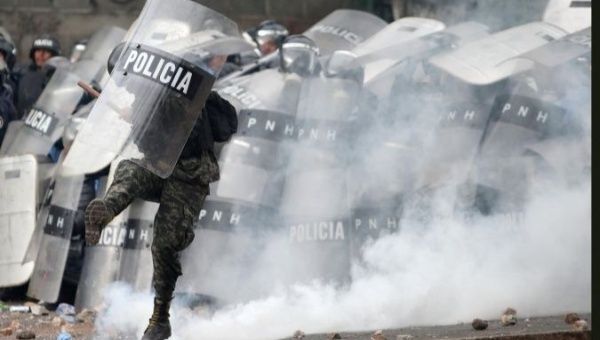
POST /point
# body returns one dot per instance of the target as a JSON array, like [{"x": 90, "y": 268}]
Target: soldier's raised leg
[{"x": 130, "y": 181}]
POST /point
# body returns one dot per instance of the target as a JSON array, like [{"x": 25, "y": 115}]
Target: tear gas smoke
[
  {"x": 447, "y": 272},
  {"x": 441, "y": 266}
]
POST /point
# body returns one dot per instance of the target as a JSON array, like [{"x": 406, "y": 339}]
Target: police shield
[
  {"x": 385, "y": 64},
  {"x": 242, "y": 206},
  {"x": 43, "y": 124},
  {"x": 59, "y": 215},
  {"x": 102, "y": 262},
  {"x": 477, "y": 71},
  {"x": 136, "y": 261},
  {"x": 266, "y": 90},
  {"x": 570, "y": 15},
  {"x": 536, "y": 125},
  {"x": 563, "y": 50},
  {"x": 344, "y": 29},
  {"x": 377, "y": 53},
  {"x": 565, "y": 67},
  {"x": 409, "y": 103},
  {"x": 18, "y": 178},
  {"x": 158, "y": 87},
  {"x": 314, "y": 207},
  {"x": 50, "y": 264},
  {"x": 491, "y": 59}
]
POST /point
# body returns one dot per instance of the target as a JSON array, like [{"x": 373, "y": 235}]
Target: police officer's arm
[
  {"x": 15, "y": 77},
  {"x": 222, "y": 117}
]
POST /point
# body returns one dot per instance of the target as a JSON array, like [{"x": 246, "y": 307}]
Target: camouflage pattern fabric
[{"x": 181, "y": 196}]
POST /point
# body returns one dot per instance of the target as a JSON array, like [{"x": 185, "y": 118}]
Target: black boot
[{"x": 159, "y": 327}]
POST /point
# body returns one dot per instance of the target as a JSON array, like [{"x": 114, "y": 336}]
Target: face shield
[{"x": 299, "y": 55}]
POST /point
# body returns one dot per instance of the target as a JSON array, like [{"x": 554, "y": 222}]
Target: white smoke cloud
[{"x": 450, "y": 271}]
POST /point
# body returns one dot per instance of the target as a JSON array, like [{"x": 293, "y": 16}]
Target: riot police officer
[
  {"x": 7, "y": 109},
  {"x": 32, "y": 78},
  {"x": 7, "y": 54},
  {"x": 7, "y": 88},
  {"x": 267, "y": 36}
]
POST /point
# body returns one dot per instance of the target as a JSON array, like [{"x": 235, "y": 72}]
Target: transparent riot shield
[
  {"x": 43, "y": 124},
  {"x": 409, "y": 105},
  {"x": 50, "y": 264},
  {"x": 136, "y": 261},
  {"x": 343, "y": 29},
  {"x": 48, "y": 189},
  {"x": 267, "y": 90},
  {"x": 562, "y": 50},
  {"x": 315, "y": 204},
  {"x": 539, "y": 124},
  {"x": 241, "y": 208},
  {"x": 503, "y": 168},
  {"x": 456, "y": 138},
  {"x": 383, "y": 63},
  {"x": 102, "y": 262},
  {"x": 19, "y": 176},
  {"x": 158, "y": 87},
  {"x": 486, "y": 61},
  {"x": 478, "y": 69},
  {"x": 377, "y": 53},
  {"x": 50, "y": 244},
  {"x": 471, "y": 78},
  {"x": 569, "y": 15},
  {"x": 102, "y": 43}
]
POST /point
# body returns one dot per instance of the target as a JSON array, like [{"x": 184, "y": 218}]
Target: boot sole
[{"x": 97, "y": 216}]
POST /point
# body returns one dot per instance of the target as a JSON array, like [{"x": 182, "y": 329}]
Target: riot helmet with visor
[{"x": 299, "y": 54}]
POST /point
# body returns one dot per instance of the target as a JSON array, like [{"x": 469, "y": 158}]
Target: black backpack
[{"x": 222, "y": 117}]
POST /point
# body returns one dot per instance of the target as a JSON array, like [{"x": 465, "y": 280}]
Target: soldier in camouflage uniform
[{"x": 181, "y": 196}]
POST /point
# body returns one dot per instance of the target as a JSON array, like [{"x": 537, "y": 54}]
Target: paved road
[{"x": 552, "y": 327}]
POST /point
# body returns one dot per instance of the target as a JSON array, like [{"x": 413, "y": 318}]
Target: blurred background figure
[
  {"x": 31, "y": 78},
  {"x": 7, "y": 109},
  {"x": 7, "y": 88}
]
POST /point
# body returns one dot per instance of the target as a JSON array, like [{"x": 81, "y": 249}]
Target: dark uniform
[
  {"x": 31, "y": 79},
  {"x": 7, "y": 109},
  {"x": 180, "y": 195},
  {"x": 8, "y": 112}
]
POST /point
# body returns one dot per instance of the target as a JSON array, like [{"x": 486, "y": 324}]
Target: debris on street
[{"x": 479, "y": 325}]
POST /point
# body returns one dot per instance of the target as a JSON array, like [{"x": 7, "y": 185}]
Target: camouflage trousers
[{"x": 181, "y": 196}]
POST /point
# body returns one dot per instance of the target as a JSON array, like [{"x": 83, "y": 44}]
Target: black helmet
[
  {"x": 299, "y": 54},
  {"x": 114, "y": 57},
  {"x": 45, "y": 42},
  {"x": 7, "y": 49},
  {"x": 270, "y": 30}
]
